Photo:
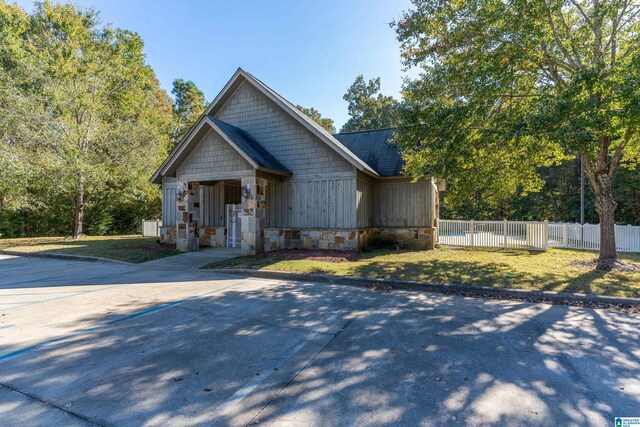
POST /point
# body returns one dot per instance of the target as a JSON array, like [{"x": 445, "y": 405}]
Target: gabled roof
[
  {"x": 227, "y": 91},
  {"x": 250, "y": 147},
  {"x": 242, "y": 142},
  {"x": 375, "y": 148},
  {"x": 242, "y": 76}
]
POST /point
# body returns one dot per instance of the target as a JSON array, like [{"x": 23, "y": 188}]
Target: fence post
[
  {"x": 545, "y": 235},
  {"x": 504, "y": 224},
  {"x": 472, "y": 227},
  {"x": 565, "y": 235}
]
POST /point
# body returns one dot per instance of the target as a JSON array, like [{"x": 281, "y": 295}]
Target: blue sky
[{"x": 308, "y": 51}]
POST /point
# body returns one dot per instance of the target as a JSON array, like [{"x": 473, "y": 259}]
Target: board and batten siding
[
  {"x": 212, "y": 156},
  {"x": 364, "y": 202},
  {"x": 214, "y": 199},
  {"x": 169, "y": 208},
  {"x": 327, "y": 202},
  {"x": 280, "y": 134},
  {"x": 403, "y": 204}
]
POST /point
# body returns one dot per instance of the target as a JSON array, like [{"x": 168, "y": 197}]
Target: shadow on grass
[{"x": 129, "y": 249}]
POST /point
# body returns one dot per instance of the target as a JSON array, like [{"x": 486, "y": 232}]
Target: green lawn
[
  {"x": 551, "y": 271},
  {"x": 133, "y": 249}
]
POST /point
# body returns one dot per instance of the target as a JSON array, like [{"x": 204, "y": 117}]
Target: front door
[{"x": 234, "y": 236}]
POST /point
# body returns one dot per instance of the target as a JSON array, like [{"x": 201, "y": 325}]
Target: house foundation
[{"x": 349, "y": 240}]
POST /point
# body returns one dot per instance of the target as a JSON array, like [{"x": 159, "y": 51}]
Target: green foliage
[
  {"x": 315, "y": 115},
  {"x": 188, "y": 105},
  {"x": 368, "y": 108},
  {"x": 509, "y": 87},
  {"x": 557, "y": 200},
  {"x": 81, "y": 114}
]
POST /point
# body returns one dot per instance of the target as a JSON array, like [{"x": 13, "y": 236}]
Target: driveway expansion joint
[
  {"x": 255, "y": 420},
  {"x": 52, "y": 405}
]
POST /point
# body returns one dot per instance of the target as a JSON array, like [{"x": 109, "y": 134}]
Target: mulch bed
[
  {"x": 158, "y": 247},
  {"x": 311, "y": 255}
]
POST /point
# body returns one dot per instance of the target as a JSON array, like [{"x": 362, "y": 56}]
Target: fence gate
[{"x": 234, "y": 236}]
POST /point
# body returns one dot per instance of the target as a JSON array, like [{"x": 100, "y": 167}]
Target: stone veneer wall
[
  {"x": 349, "y": 240},
  {"x": 253, "y": 221},
  {"x": 279, "y": 238},
  {"x": 188, "y": 216},
  {"x": 406, "y": 238},
  {"x": 168, "y": 234},
  {"x": 214, "y": 237}
]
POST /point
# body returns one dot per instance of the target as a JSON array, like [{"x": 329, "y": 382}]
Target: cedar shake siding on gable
[
  {"x": 280, "y": 134},
  {"x": 212, "y": 156}
]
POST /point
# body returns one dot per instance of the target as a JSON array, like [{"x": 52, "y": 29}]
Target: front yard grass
[
  {"x": 133, "y": 249},
  {"x": 550, "y": 271}
]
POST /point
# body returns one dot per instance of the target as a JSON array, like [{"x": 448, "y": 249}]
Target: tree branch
[
  {"x": 584, "y": 15},
  {"x": 617, "y": 154},
  {"x": 589, "y": 170},
  {"x": 568, "y": 35},
  {"x": 559, "y": 42},
  {"x": 614, "y": 31}
]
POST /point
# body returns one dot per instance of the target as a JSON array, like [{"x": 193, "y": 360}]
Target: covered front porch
[
  {"x": 226, "y": 212},
  {"x": 212, "y": 191}
]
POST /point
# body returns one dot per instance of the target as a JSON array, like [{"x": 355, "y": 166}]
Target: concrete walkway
[{"x": 193, "y": 260}]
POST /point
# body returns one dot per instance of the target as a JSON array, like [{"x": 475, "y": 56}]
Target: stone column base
[{"x": 187, "y": 245}]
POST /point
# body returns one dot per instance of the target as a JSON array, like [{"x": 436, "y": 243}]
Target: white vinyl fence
[
  {"x": 587, "y": 236},
  {"x": 151, "y": 228},
  {"x": 535, "y": 235},
  {"x": 494, "y": 234}
]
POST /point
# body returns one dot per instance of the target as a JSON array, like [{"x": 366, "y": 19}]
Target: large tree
[
  {"x": 508, "y": 86},
  {"x": 368, "y": 107},
  {"x": 315, "y": 115},
  {"x": 80, "y": 110},
  {"x": 188, "y": 105}
]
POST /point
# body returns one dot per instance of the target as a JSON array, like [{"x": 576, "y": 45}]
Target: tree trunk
[
  {"x": 606, "y": 207},
  {"x": 77, "y": 228}
]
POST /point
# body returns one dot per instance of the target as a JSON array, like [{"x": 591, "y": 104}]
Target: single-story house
[{"x": 256, "y": 172}]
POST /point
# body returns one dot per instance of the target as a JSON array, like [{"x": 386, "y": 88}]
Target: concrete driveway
[{"x": 86, "y": 343}]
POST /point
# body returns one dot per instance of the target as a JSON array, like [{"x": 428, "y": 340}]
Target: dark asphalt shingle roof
[
  {"x": 375, "y": 149},
  {"x": 250, "y": 146}
]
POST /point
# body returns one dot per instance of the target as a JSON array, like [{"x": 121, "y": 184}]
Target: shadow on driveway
[{"x": 319, "y": 354}]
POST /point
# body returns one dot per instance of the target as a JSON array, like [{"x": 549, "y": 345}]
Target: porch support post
[
  {"x": 188, "y": 216},
  {"x": 253, "y": 214}
]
